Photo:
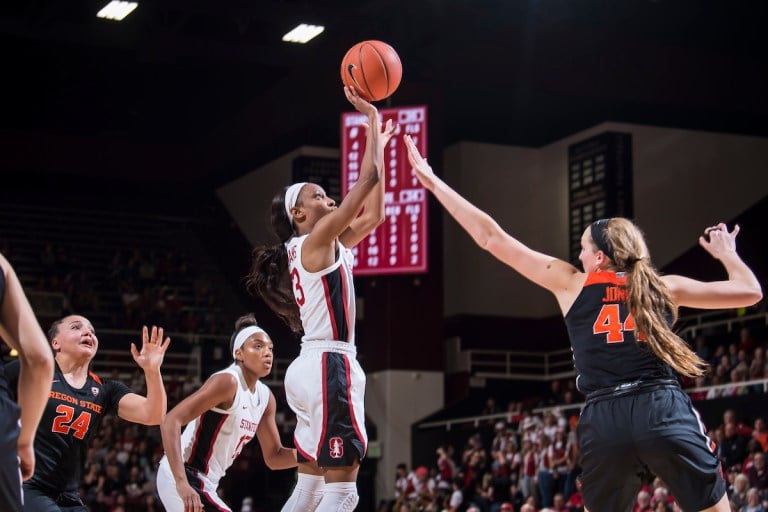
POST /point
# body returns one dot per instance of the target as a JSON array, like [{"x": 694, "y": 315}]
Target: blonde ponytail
[{"x": 649, "y": 299}]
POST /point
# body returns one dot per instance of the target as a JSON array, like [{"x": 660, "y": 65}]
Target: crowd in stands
[
  {"x": 529, "y": 463},
  {"x": 135, "y": 287}
]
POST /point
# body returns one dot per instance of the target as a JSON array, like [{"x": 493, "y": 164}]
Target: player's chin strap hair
[
  {"x": 291, "y": 196},
  {"x": 597, "y": 230},
  {"x": 243, "y": 335}
]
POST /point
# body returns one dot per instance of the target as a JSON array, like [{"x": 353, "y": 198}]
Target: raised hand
[
  {"x": 152, "y": 349},
  {"x": 389, "y": 130},
  {"x": 362, "y": 106},
  {"x": 424, "y": 171},
  {"x": 718, "y": 241}
]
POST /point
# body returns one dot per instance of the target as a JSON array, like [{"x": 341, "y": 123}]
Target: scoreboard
[
  {"x": 599, "y": 183},
  {"x": 399, "y": 245}
]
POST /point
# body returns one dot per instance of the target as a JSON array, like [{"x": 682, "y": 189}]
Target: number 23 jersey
[{"x": 71, "y": 418}]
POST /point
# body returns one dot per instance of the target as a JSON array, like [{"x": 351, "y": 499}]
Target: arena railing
[{"x": 558, "y": 364}]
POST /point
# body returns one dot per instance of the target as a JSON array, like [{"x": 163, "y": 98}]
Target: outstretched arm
[
  {"x": 148, "y": 410},
  {"x": 373, "y": 207},
  {"x": 20, "y": 329},
  {"x": 331, "y": 226},
  {"x": 742, "y": 287},
  {"x": 551, "y": 273},
  {"x": 276, "y": 455}
]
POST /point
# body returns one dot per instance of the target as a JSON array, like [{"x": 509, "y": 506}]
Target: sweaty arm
[
  {"x": 21, "y": 330},
  {"x": 276, "y": 455},
  {"x": 150, "y": 409}
]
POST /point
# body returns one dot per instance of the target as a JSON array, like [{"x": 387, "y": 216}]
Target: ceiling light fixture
[
  {"x": 116, "y": 10},
  {"x": 303, "y": 33}
]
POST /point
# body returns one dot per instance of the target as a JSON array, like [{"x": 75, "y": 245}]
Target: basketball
[{"x": 373, "y": 68}]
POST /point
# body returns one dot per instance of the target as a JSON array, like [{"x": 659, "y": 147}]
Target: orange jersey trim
[{"x": 606, "y": 277}]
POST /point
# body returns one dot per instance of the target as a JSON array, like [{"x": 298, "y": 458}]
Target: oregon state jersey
[
  {"x": 71, "y": 417},
  {"x": 326, "y": 298},
  {"x": 211, "y": 442},
  {"x": 606, "y": 352}
]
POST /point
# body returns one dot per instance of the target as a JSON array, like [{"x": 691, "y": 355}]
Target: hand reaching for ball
[
  {"x": 357, "y": 101},
  {"x": 424, "y": 171}
]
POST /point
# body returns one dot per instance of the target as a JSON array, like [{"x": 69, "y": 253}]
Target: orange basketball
[{"x": 373, "y": 68}]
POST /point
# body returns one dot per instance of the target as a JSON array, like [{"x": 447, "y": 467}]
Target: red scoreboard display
[{"x": 399, "y": 245}]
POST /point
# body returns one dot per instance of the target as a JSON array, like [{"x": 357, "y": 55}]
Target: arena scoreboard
[{"x": 399, "y": 245}]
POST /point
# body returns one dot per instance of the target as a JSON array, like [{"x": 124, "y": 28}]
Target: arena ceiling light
[
  {"x": 303, "y": 33},
  {"x": 116, "y": 10}
]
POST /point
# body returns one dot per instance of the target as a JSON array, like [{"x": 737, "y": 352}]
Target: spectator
[
  {"x": 401, "y": 481},
  {"x": 734, "y": 446},
  {"x": 753, "y": 502},
  {"x": 446, "y": 466},
  {"x": 643, "y": 502},
  {"x": 737, "y": 491},
  {"x": 575, "y": 503},
  {"x": 456, "y": 498},
  {"x": 757, "y": 473},
  {"x": 760, "y": 433}
]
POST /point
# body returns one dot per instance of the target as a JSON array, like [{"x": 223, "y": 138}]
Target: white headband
[
  {"x": 291, "y": 196},
  {"x": 243, "y": 335}
]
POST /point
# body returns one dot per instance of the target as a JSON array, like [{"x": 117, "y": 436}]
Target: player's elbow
[
  {"x": 40, "y": 359},
  {"x": 755, "y": 295},
  {"x": 153, "y": 418},
  {"x": 273, "y": 462}
]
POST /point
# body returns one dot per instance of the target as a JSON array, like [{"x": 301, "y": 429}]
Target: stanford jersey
[
  {"x": 326, "y": 299},
  {"x": 606, "y": 352},
  {"x": 325, "y": 385},
  {"x": 212, "y": 442},
  {"x": 72, "y": 416}
]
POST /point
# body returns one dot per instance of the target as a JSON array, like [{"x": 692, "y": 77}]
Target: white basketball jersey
[
  {"x": 326, "y": 298},
  {"x": 211, "y": 442}
]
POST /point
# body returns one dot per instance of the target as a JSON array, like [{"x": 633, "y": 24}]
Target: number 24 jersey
[{"x": 71, "y": 417}]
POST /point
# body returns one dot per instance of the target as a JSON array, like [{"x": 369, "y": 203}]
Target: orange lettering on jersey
[
  {"x": 63, "y": 397},
  {"x": 615, "y": 294},
  {"x": 91, "y": 406}
]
